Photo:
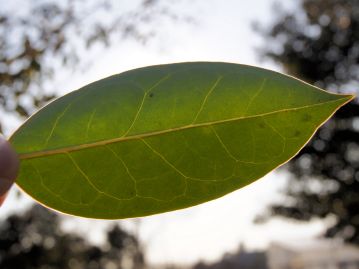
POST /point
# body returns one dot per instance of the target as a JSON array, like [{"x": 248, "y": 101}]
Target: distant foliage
[
  {"x": 320, "y": 44},
  {"x": 35, "y": 241},
  {"x": 241, "y": 259},
  {"x": 44, "y": 36}
]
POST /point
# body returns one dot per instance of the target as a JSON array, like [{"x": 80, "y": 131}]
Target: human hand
[{"x": 9, "y": 166}]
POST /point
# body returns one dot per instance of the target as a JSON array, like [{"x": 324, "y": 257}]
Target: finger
[
  {"x": 3, "y": 196},
  {"x": 9, "y": 166}
]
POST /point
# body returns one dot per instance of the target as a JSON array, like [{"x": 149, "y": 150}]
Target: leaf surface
[{"x": 166, "y": 137}]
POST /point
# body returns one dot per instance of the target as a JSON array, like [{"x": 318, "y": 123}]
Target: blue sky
[{"x": 221, "y": 32}]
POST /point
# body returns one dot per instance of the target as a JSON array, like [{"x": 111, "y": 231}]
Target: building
[{"x": 322, "y": 254}]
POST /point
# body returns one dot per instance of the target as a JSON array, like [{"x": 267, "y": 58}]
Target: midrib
[{"x": 68, "y": 149}]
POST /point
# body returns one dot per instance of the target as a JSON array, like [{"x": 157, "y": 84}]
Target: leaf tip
[{"x": 347, "y": 98}]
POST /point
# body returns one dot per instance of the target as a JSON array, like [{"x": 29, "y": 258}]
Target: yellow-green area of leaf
[{"x": 166, "y": 137}]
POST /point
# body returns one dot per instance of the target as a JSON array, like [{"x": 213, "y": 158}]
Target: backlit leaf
[{"x": 166, "y": 137}]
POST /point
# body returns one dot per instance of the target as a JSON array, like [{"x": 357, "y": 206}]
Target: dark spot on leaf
[
  {"x": 261, "y": 125},
  {"x": 296, "y": 133},
  {"x": 151, "y": 95},
  {"x": 306, "y": 117}
]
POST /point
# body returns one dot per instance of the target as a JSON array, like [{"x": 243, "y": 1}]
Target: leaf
[{"x": 166, "y": 137}]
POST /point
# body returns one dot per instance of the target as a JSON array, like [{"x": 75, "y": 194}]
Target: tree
[
  {"x": 320, "y": 44},
  {"x": 45, "y": 35},
  {"x": 35, "y": 240}
]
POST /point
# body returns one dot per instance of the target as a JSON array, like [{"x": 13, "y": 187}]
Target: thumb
[{"x": 9, "y": 166}]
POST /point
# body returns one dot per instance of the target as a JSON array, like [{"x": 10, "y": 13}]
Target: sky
[{"x": 221, "y": 32}]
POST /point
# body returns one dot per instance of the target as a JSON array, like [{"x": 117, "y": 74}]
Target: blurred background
[{"x": 304, "y": 215}]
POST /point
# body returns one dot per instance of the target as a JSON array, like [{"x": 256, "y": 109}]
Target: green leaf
[{"x": 166, "y": 137}]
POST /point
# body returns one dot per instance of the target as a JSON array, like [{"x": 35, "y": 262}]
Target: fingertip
[
  {"x": 9, "y": 166},
  {"x": 5, "y": 185},
  {"x": 2, "y": 198}
]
